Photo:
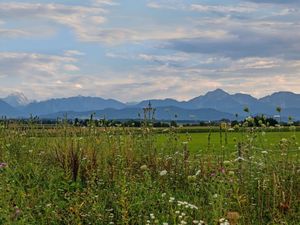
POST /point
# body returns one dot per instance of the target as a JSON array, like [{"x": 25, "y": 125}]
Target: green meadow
[{"x": 87, "y": 175}]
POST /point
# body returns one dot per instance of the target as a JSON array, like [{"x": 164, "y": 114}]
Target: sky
[{"x": 139, "y": 49}]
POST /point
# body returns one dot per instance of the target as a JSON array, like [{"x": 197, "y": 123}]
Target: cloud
[
  {"x": 73, "y": 53},
  {"x": 71, "y": 68},
  {"x": 18, "y": 64},
  {"x": 13, "y": 33},
  {"x": 82, "y": 19},
  {"x": 263, "y": 38},
  {"x": 105, "y": 2},
  {"x": 222, "y": 8},
  {"x": 275, "y": 1},
  {"x": 89, "y": 23}
]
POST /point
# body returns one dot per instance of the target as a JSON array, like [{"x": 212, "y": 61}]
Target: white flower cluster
[
  {"x": 223, "y": 221},
  {"x": 186, "y": 205}
]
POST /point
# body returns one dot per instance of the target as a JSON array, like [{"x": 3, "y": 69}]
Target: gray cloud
[
  {"x": 257, "y": 39},
  {"x": 275, "y": 1}
]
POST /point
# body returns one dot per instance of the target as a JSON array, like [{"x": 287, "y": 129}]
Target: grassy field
[
  {"x": 198, "y": 142},
  {"x": 68, "y": 175}
]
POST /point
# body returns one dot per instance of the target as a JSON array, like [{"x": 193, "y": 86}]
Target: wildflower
[
  {"x": 264, "y": 152},
  {"x": 195, "y": 221},
  {"x": 231, "y": 173},
  {"x": 215, "y": 195},
  {"x": 226, "y": 162},
  {"x": 171, "y": 200},
  {"x": 222, "y": 170},
  {"x": 152, "y": 216},
  {"x": 3, "y": 165},
  {"x": 165, "y": 223},
  {"x": 292, "y": 128},
  {"x": 192, "y": 178},
  {"x": 198, "y": 173},
  {"x": 17, "y": 212},
  {"x": 144, "y": 167},
  {"x": 223, "y": 221},
  {"x": 163, "y": 195},
  {"x": 239, "y": 159},
  {"x": 163, "y": 173}
]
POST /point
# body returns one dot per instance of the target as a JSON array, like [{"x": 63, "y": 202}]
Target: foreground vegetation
[{"x": 85, "y": 175}]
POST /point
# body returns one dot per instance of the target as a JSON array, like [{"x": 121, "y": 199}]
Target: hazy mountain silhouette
[
  {"x": 162, "y": 113},
  {"x": 7, "y": 110},
  {"x": 223, "y": 104},
  {"x": 77, "y": 104},
  {"x": 282, "y": 99}
]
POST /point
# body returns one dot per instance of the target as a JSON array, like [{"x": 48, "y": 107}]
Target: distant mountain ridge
[
  {"x": 227, "y": 105},
  {"x": 79, "y": 104},
  {"x": 161, "y": 113},
  {"x": 16, "y": 99}
]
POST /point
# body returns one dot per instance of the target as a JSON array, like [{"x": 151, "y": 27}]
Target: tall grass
[{"x": 71, "y": 175}]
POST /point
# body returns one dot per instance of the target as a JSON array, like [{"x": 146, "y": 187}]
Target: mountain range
[{"x": 214, "y": 105}]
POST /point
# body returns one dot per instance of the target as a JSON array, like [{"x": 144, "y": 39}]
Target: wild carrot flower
[
  {"x": 144, "y": 167},
  {"x": 163, "y": 173},
  {"x": 223, "y": 221}
]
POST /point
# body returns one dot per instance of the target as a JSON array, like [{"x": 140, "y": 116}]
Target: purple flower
[
  {"x": 3, "y": 165},
  {"x": 222, "y": 170}
]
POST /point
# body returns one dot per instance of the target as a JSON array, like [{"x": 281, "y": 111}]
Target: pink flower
[{"x": 3, "y": 165}]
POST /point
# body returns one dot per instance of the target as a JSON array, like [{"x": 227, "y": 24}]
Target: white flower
[
  {"x": 144, "y": 167},
  {"x": 223, "y": 221},
  {"x": 226, "y": 162},
  {"x": 239, "y": 159},
  {"x": 163, "y": 173}
]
